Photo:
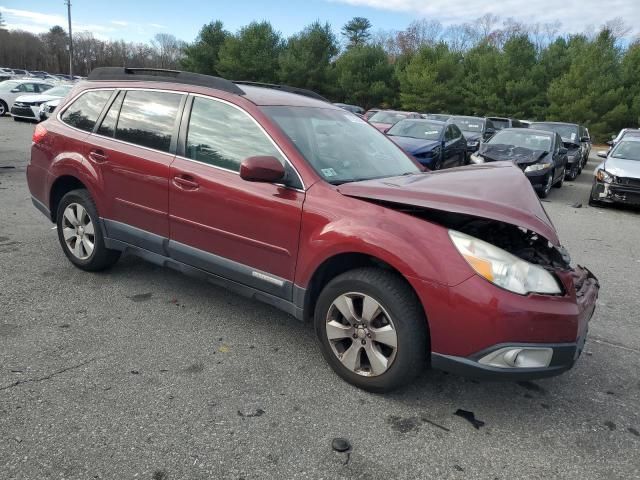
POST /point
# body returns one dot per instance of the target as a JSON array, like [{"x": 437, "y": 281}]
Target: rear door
[
  {"x": 132, "y": 149},
  {"x": 244, "y": 231}
]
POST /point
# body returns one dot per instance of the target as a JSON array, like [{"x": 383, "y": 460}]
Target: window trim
[
  {"x": 72, "y": 101},
  {"x": 184, "y": 127}
]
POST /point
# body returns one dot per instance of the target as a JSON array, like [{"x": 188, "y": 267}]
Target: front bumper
[
  {"x": 476, "y": 318},
  {"x": 30, "y": 113},
  {"x": 538, "y": 178},
  {"x": 615, "y": 193}
]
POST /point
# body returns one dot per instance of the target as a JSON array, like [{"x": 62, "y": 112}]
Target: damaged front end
[
  {"x": 609, "y": 188},
  {"x": 520, "y": 156}
]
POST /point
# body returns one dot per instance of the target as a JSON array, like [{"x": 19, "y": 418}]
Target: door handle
[
  {"x": 98, "y": 155},
  {"x": 185, "y": 182}
]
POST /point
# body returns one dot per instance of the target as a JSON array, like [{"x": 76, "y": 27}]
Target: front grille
[
  {"x": 630, "y": 182},
  {"x": 22, "y": 111}
]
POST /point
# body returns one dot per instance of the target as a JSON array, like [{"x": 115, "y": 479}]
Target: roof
[
  {"x": 629, "y": 139},
  {"x": 424, "y": 120},
  {"x": 270, "y": 97},
  {"x": 557, "y": 123},
  {"x": 529, "y": 130}
]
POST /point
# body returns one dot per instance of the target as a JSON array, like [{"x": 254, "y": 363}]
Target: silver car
[{"x": 617, "y": 179}]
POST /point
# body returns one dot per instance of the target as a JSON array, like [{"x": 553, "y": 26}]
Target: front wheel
[
  {"x": 372, "y": 330},
  {"x": 559, "y": 183},
  {"x": 4, "y": 108},
  {"x": 80, "y": 234},
  {"x": 547, "y": 186}
]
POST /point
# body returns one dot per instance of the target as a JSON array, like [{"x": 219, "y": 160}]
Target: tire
[
  {"x": 572, "y": 174},
  {"x": 544, "y": 192},
  {"x": 77, "y": 245},
  {"x": 400, "y": 319},
  {"x": 4, "y": 108}
]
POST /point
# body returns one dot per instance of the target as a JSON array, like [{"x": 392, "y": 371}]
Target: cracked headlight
[
  {"x": 537, "y": 167},
  {"x": 503, "y": 269},
  {"x": 475, "y": 158},
  {"x": 604, "y": 176}
]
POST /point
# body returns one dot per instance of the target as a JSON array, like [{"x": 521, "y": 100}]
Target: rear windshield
[
  {"x": 629, "y": 150},
  {"x": 567, "y": 132},
  {"x": 420, "y": 129},
  {"x": 523, "y": 139},
  {"x": 469, "y": 124},
  {"x": 388, "y": 117},
  {"x": 500, "y": 123}
]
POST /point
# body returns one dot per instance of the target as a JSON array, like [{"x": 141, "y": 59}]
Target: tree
[
  {"x": 168, "y": 49},
  {"x": 630, "y": 75},
  {"x": 431, "y": 82},
  {"x": 2, "y": 23},
  {"x": 56, "y": 41},
  {"x": 251, "y": 54},
  {"x": 364, "y": 76},
  {"x": 357, "y": 31},
  {"x": 202, "y": 56},
  {"x": 591, "y": 91},
  {"x": 305, "y": 60}
]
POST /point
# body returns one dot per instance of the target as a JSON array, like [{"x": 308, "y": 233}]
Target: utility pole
[{"x": 68, "y": 3}]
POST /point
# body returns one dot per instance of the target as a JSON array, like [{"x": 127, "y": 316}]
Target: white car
[
  {"x": 27, "y": 107},
  {"x": 12, "y": 89},
  {"x": 47, "y": 108}
]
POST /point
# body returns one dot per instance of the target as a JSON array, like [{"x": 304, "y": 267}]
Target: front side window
[
  {"x": 223, "y": 136},
  {"x": 148, "y": 118},
  {"x": 339, "y": 146},
  {"x": 85, "y": 110},
  {"x": 469, "y": 124}
]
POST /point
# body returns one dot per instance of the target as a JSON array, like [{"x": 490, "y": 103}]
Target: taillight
[{"x": 39, "y": 133}]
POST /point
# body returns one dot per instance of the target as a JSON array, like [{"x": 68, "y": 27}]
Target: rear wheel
[
  {"x": 80, "y": 234},
  {"x": 371, "y": 329}
]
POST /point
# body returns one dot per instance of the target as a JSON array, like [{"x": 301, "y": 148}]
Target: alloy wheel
[
  {"x": 361, "y": 334},
  {"x": 78, "y": 231}
]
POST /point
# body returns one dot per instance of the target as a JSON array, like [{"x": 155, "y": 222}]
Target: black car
[
  {"x": 576, "y": 140},
  {"x": 434, "y": 144},
  {"x": 503, "y": 122},
  {"x": 539, "y": 153},
  {"x": 475, "y": 130}
]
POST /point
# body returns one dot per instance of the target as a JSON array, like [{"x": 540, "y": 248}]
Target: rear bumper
[{"x": 469, "y": 321}]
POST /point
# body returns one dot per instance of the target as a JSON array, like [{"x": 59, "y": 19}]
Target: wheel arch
[
  {"x": 340, "y": 263},
  {"x": 59, "y": 188}
]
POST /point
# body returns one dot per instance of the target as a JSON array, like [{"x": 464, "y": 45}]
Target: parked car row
[
  {"x": 398, "y": 269},
  {"x": 27, "y": 99},
  {"x": 18, "y": 73}
]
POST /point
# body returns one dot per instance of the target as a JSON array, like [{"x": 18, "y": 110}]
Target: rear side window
[
  {"x": 224, "y": 136},
  {"x": 148, "y": 118},
  {"x": 85, "y": 110},
  {"x": 108, "y": 125}
]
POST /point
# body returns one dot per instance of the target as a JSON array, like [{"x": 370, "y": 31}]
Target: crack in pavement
[
  {"x": 610, "y": 343},
  {"x": 47, "y": 377}
]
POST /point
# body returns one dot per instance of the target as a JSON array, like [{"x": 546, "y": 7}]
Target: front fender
[{"x": 333, "y": 224}]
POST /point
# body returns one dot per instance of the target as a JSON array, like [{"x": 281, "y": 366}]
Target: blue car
[{"x": 434, "y": 144}]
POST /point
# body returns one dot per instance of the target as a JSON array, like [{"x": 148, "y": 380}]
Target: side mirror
[
  {"x": 262, "y": 169},
  {"x": 15, "y": 90},
  {"x": 563, "y": 151},
  {"x": 585, "y": 139},
  {"x": 602, "y": 154},
  {"x": 609, "y": 142},
  {"x": 489, "y": 132}
]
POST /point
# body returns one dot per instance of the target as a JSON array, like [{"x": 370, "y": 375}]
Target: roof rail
[
  {"x": 284, "y": 88},
  {"x": 160, "y": 75}
]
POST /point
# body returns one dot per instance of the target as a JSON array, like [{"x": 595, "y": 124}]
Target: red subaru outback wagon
[{"x": 279, "y": 195}]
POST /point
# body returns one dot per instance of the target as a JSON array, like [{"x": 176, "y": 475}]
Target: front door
[{"x": 244, "y": 231}]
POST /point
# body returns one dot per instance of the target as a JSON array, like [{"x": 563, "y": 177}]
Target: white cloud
[
  {"x": 575, "y": 15},
  {"x": 120, "y": 23}
]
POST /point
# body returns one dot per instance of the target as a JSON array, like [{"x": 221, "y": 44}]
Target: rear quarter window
[{"x": 85, "y": 110}]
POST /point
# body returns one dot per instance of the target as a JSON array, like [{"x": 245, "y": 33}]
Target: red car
[
  {"x": 383, "y": 120},
  {"x": 292, "y": 201}
]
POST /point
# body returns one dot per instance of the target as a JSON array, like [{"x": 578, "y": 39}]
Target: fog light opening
[{"x": 518, "y": 357}]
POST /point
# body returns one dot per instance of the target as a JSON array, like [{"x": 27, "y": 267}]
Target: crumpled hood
[
  {"x": 42, "y": 97},
  {"x": 497, "y": 191},
  {"x": 622, "y": 168},
  {"x": 414, "y": 145},
  {"x": 472, "y": 136},
  {"x": 499, "y": 153}
]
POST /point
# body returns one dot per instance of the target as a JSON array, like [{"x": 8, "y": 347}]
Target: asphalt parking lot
[{"x": 141, "y": 372}]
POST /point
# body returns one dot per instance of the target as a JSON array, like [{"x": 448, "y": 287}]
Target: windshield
[
  {"x": 340, "y": 146},
  {"x": 387, "y": 117},
  {"x": 567, "y": 132},
  {"x": 60, "y": 91},
  {"x": 628, "y": 150},
  {"x": 421, "y": 129},
  {"x": 8, "y": 85},
  {"x": 469, "y": 124},
  {"x": 522, "y": 139},
  {"x": 441, "y": 117},
  {"x": 500, "y": 123}
]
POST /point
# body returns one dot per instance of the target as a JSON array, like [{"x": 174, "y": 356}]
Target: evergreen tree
[
  {"x": 357, "y": 31},
  {"x": 202, "y": 56}
]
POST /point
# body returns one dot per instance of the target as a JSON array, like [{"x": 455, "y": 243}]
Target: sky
[{"x": 140, "y": 20}]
